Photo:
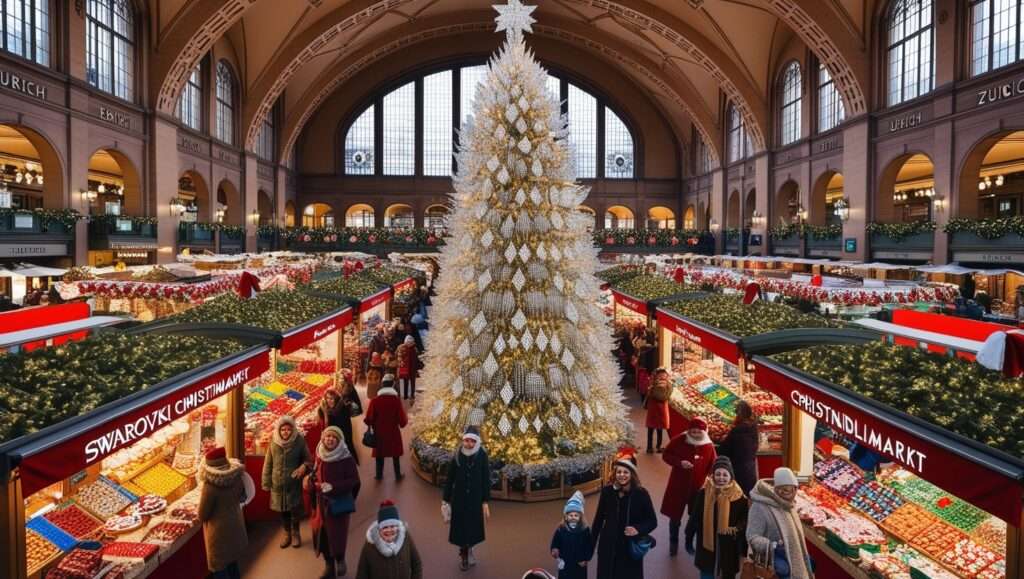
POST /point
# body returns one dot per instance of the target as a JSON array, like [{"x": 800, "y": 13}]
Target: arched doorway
[
  {"x": 289, "y": 214},
  {"x": 661, "y": 218},
  {"x": 399, "y": 216},
  {"x": 992, "y": 179},
  {"x": 591, "y": 216},
  {"x": 317, "y": 215},
  {"x": 114, "y": 186},
  {"x": 906, "y": 190},
  {"x": 689, "y": 218},
  {"x": 194, "y": 195},
  {"x": 787, "y": 207},
  {"x": 265, "y": 207},
  {"x": 229, "y": 204},
  {"x": 436, "y": 217},
  {"x": 732, "y": 213},
  {"x": 827, "y": 193},
  {"x": 361, "y": 216},
  {"x": 619, "y": 217},
  {"x": 749, "y": 208},
  {"x": 30, "y": 169}
]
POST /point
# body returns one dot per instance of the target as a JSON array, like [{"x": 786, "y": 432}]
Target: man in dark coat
[
  {"x": 466, "y": 494},
  {"x": 740, "y": 445},
  {"x": 624, "y": 514}
]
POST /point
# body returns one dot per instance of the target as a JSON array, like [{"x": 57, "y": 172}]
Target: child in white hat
[{"x": 572, "y": 545}]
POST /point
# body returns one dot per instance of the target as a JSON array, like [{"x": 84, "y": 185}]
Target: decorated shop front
[{"x": 371, "y": 301}]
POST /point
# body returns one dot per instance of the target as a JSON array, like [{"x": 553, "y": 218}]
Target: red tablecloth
[{"x": 188, "y": 561}]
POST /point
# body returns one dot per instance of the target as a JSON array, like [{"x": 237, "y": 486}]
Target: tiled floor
[{"x": 517, "y": 534}]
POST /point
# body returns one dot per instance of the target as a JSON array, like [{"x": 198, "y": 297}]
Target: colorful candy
[
  {"x": 74, "y": 521},
  {"x": 38, "y": 550}
]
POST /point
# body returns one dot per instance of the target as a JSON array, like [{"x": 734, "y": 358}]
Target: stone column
[
  {"x": 763, "y": 192},
  {"x": 78, "y": 181},
  {"x": 944, "y": 162},
  {"x": 163, "y": 186},
  {"x": 857, "y": 187},
  {"x": 717, "y": 202},
  {"x": 250, "y": 198}
]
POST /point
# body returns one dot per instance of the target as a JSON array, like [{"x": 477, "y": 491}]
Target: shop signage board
[
  {"x": 42, "y": 462},
  {"x": 375, "y": 300},
  {"x": 985, "y": 481},
  {"x": 34, "y": 249},
  {"x": 630, "y": 303},
  {"x": 987, "y": 257},
  {"x": 317, "y": 329},
  {"x": 718, "y": 343}
]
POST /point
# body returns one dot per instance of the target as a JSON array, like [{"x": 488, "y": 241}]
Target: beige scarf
[{"x": 723, "y": 496}]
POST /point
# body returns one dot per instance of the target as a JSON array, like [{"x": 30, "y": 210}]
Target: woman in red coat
[
  {"x": 691, "y": 456},
  {"x": 386, "y": 415},
  {"x": 408, "y": 364},
  {"x": 657, "y": 408},
  {"x": 335, "y": 480}
]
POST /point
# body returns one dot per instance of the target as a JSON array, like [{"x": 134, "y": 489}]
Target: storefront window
[
  {"x": 110, "y": 47},
  {"x": 26, "y": 29},
  {"x": 911, "y": 61}
]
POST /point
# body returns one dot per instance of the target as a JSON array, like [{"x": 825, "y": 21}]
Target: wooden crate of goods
[
  {"x": 967, "y": 557},
  {"x": 992, "y": 534},
  {"x": 937, "y": 539},
  {"x": 78, "y": 564},
  {"x": 164, "y": 481},
  {"x": 908, "y": 521},
  {"x": 102, "y": 498},
  {"x": 996, "y": 570},
  {"x": 38, "y": 551},
  {"x": 75, "y": 521},
  {"x": 52, "y": 533},
  {"x": 129, "y": 551},
  {"x": 876, "y": 501}
]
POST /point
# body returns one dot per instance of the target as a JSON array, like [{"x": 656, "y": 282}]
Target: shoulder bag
[
  {"x": 639, "y": 545},
  {"x": 758, "y": 567},
  {"x": 369, "y": 438}
]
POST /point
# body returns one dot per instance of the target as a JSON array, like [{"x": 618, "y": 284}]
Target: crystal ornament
[
  {"x": 490, "y": 365},
  {"x": 518, "y": 280},
  {"x": 499, "y": 345},
  {"x": 538, "y": 169},
  {"x": 520, "y": 197},
  {"x": 588, "y": 412},
  {"x": 556, "y": 220},
  {"x": 453, "y": 414},
  {"x": 568, "y": 359},
  {"x": 478, "y": 324},
  {"x": 537, "y": 424},
  {"x": 457, "y": 387},
  {"x": 524, "y": 253},
  {"x": 557, "y": 280},
  {"x": 511, "y": 113},
  {"x": 524, "y": 145},
  {"x": 493, "y": 163},
  {"x": 438, "y": 408},
  {"x": 516, "y": 90},
  {"x": 508, "y": 227},
  {"x": 504, "y": 426},
  {"x": 513, "y": 342},
  {"x": 506, "y": 393},
  {"x": 483, "y": 281},
  {"x": 575, "y": 415},
  {"x": 556, "y": 344},
  {"x": 518, "y": 320},
  {"x": 554, "y": 423},
  {"x": 514, "y": 18},
  {"x": 503, "y": 176},
  {"x": 542, "y": 340},
  {"x": 527, "y": 340},
  {"x": 463, "y": 350},
  {"x": 524, "y": 424},
  {"x": 510, "y": 253},
  {"x": 535, "y": 196},
  {"x": 570, "y": 313},
  {"x": 541, "y": 252},
  {"x": 555, "y": 254},
  {"x": 521, "y": 126},
  {"x": 487, "y": 238},
  {"x": 500, "y": 133}
]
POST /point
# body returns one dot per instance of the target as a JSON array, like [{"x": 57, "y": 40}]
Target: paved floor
[{"x": 517, "y": 534}]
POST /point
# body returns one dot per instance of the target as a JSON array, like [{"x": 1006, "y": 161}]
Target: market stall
[
  {"x": 372, "y": 301},
  {"x": 106, "y": 485},
  {"x": 902, "y": 476}
]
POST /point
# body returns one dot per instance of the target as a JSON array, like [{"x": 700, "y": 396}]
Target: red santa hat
[
  {"x": 679, "y": 275},
  {"x": 248, "y": 285},
  {"x": 1003, "y": 352},
  {"x": 698, "y": 422},
  {"x": 752, "y": 293}
]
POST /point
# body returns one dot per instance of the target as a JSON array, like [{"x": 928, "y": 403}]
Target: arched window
[
  {"x": 791, "y": 103},
  {"x": 618, "y": 147},
  {"x": 583, "y": 131},
  {"x": 469, "y": 77},
  {"x": 110, "y": 46},
  {"x": 359, "y": 149},
  {"x": 400, "y": 131},
  {"x": 225, "y": 103},
  {"x": 265, "y": 138},
  {"x": 190, "y": 103},
  {"x": 911, "y": 61},
  {"x": 831, "y": 111},
  {"x": 739, "y": 141},
  {"x": 437, "y": 124},
  {"x": 995, "y": 34},
  {"x": 26, "y": 29}
]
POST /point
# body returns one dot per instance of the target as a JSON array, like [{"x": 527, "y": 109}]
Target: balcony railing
[{"x": 110, "y": 232}]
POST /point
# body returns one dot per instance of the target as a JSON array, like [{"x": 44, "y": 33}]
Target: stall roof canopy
[
  {"x": 10, "y": 339},
  {"x": 792, "y": 339},
  {"x": 935, "y": 338},
  {"x": 957, "y": 269},
  {"x": 29, "y": 270}
]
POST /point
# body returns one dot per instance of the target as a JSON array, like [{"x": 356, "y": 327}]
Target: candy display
[
  {"x": 992, "y": 534},
  {"x": 968, "y": 557},
  {"x": 908, "y": 521},
  {"x": 123, "y": 524},
  {"x": 78, "y": 564},
  {"x": 160, "y": 480},
  {"x": 149, "y": 505},
  {"x": 52, "y": 533},
  {"x": 74, "y": 521},
  {"x": 128, "y": 550},
  {"x": 102, "y": 499},
  {"x": 38, "y": 550},
  {"x": 937, "y": 539},
  {"x": 839, "y": 476},
  {"x": 876, "y": 501},
  {"x": 167, "y": 532}
]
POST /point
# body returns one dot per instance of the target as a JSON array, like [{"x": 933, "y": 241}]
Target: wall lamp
[{"x": 842, "y": 210}]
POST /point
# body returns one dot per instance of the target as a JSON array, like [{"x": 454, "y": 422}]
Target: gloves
[
  {"x": 446, "y": 512},
  {"x": 561, "y": 564},
  {"x": 326, "y": 487}
]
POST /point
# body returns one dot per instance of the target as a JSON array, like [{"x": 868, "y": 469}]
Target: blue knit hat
[
  {"x": 387, "y": 515},
  {"x": 574, "y": 504}
]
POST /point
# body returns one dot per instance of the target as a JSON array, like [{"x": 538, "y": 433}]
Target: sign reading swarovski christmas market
[
  {"x": 930, "y": 453},
  {"x": 315, "y": 330},
  {"x": 39, "y": 468},
  {"x": 718, "y": 343},
  {"x": 630, "y": 303}
]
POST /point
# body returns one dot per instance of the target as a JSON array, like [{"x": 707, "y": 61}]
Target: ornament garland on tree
[{"x": 517, "y": 346}]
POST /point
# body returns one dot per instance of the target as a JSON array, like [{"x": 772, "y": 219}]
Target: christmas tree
[{"x": 518, "y": 345}]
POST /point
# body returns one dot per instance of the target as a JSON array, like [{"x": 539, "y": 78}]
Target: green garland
[
  {"x": 651, "y": 237},
  {"x": 49, "y": 385},
  {"x": 390, "y": 274},
  {"x": 356, "y": 236},
  {"x": 618, "y": 274},
  {"x": 356, "y": 286},
  {"x": 270, "y": 230},
  {"x": 822, "y": 232},
  {"x": 780, "y": 232},
  {"x": 66, "y": 217},
  {"x": 991, "y": 228},
  {"x": 108, "y": 219},
  {"x": 900, "y": 231},
  {"x": 651, "y": 287},
  {"x": 732, "y": 233},
  {"x": 270, "y": 310},
  {"x": 962, "y": 397},
  {"x": 730, "y": 314},
  {"x": 232, "y": 231}
]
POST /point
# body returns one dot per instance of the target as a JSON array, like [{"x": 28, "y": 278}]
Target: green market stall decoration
[{"x": 371, "y": 299}]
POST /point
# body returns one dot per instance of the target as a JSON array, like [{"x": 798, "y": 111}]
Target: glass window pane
[
  {"x": 359, "y": 149},
  {"x": 110, "y": 50},
  {"x": 618, "y": 147},
  {"x": 190, "y": 102},
  {"x": 437, "y": 124},
  {"x": 791, "y": 104},
  {"x": 554, "y": 85},
  {"x": 400, "y": 131},
  {"x": 830, "y": 105},
  {"x": 583, "y": 131},
  {"x": 225, "y": 103},
  {"x": 1004, "y": 31},
  {"x": 468, "y": 78},
  {"x": 911, "y": 60},
  {"x": 980, "y": 36}
]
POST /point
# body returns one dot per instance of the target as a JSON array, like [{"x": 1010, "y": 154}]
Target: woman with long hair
[{"x": 625, "y": 514}]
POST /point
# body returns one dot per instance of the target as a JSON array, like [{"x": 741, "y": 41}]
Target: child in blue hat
[{"x": 573, "y": 545}]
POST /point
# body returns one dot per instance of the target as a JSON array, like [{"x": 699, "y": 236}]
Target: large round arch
[
  {"x": 619, "y": 217},
  {"x": 733, "y": 217},
  {"x": 992, "y": 177},
  {"x": 786, "y": 209},
  {"x": 906, "y": 190},
  {"x": 37, "y": 180},
  {"x": 400, "y": 216},
  {"x": 229, "y": 200},
  {"x": 116, "y": 183},
  {"x": 317, "y": 215},
  {"x": 436, "y": 216},
  {"x": 193, "y": 191},
  {"x": 827, "y": 191},
  {"x": 690, "y": 218},
  {"x": 661, "y": 217},
  {"x": 265, "y": 207},
  {"x": 360, "y": 216}
]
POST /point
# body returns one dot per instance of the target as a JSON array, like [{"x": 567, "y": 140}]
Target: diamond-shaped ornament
[
  {"x": 518, "y": 280},
  {"x": 555, "y": 254},
  {"x": 500, "y": 133},
  {"x": 493, "y": 163},
  {"x": 539, "y": 126},
  {"x": 508, "y": 227},
  {"x": 510, "y": 253},
  {"x": 527, "y": 340},
  {"x": 463, "y": 350},
  {"x": 487, "y": 189},
  {"x": 511, "y": 113},
  {"x": 588, "y": 412},
  {"x": 499, "y": 345},
  {"x": 556, "y": 220},
  {"x": 537, "y": 424},
  {"x": 503, "y": 176},
  {"x": 478, "y": 324},
  {"x": 575, "y": 414},
  {"x": 570, "y": 313},
  {"x": 541, "y": 252},
  {"x": 453, "y": 414},
  {"x": 506, "y": 393},
  {"x": 483, "y": 281},
  {"x": 535, "y": 196},
  {"x": 490, "y": 365},
  {"x": 555, "y": 423},
  {"x": 568, "y": 359},
  {"x": 438, "y": 408},
  {"x": 524, "y": 424},
  {"x": 520, "y": 197},
  {"x": 487, "y": 238},
  {"x": 542, "y": 340},
  {"x": 513, "y": 342},
  {"x": 516, "y": 90},
  {"x": 524, "y": 104},
  {"x": 457, "y": 387},
  {"x": 524, "y": 253},
  {"x": 559, "y": 281},
  {"x": 504, "y": 426},
  {"x": 521, "y": 126},
  {"x": 518, "y": 321},
  {"x": 556, "y": 344},
  {"x": 599, "y": 408},
  {"x": 524, "y": 145},
  {"x": 537, "y": 168}
]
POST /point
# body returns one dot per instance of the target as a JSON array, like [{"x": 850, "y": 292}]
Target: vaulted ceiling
[{"x": 689, "y": 56}]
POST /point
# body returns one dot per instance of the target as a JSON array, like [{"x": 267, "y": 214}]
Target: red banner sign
[
  {"x": 375, "y": 300},
  {"x": 986, "y": 489},
  {"x": 314, "y": 332},
  {"x": 630, "y": 303},
  {"x": 70, "y": 456},
  {"x": 405, "y": 284},
  {"x": 717, "y": 345}
]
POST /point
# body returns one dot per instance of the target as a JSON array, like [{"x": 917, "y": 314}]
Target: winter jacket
[
  {"x": 724, "y": 561},
  {"x": 614, "y": 514},
  {"x": 740, "y": 445},
  {"x": 341, "y": 416},
  {"x": 657, "y": 413},
  {"x": 330, "y": 532},
  {"x": 466, "y": 489},
  {"x": 398, "y": 560},
  {"x": 387, "y": 416},
  {"x": 684, "y": 483},
  {"x": 574, "y": 546},
  {"x": 278, "y": 465},
  {"x": 408, "y": 361},
  {"x": 220, "y": 510},
  {"x": 772, "y": 520}
]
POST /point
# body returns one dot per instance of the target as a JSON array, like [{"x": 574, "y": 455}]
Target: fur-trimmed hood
[
  {"x": 223, "y": 477},
  {"x": 389, "y": 391},
  {"x": 386, "y": 549}
]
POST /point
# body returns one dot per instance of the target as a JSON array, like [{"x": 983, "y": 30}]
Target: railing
[
  {"x": 789, "y": 246},
  {"x": 825, "y": 247},
  {"x": 16, "y": 223},
  {"x": 195, "y": 234},
  {"x": 916, "y": 247}
]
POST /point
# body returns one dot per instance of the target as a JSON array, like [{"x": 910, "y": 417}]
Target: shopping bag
[{"x": 757, "y": 566}]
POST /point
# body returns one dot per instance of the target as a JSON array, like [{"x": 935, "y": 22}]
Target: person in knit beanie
[
  {"x": 220, "y": 510},
  {"x": 716, "y": 529},
  {"x": 389, "y": 550},
  {"x": 572, "y": 545}
]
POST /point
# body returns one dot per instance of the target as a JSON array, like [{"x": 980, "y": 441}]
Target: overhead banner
[
  {"x": 720, "y": 345},
  {"x": 630, "y": 303},
  {"x": 314, "y": 331},
  {"x": 932, "y": 459},
  {"x": 62, "y": 460}
]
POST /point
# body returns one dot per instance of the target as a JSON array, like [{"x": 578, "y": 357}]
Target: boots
[
  {"x": 329, "y": 569},
  {"x": 287, "y": 535},
  {"x": 471, "y": 558},
  {"x": 464, "y": 558},
  {"x": 673, "y": 537},
  {"x": 296, "y": 539}
]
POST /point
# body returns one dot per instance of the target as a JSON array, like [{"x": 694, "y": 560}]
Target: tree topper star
[{"x": 514, "y": 18}]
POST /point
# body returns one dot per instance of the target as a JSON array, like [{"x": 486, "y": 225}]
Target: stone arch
[
  {"x": 1000, "y": 154},
  {"x": 619, "y": 217},
  {"x": 828, "y": 188},
  {"x": 436, "y": 216},
  {"x": 265, "y": 207},
  {"x": 360, "y": 215},
  {"x": 787, "y": 206},
  {"x": 399, "y": 215},
  {"x": 230, "y": 200},
  {"x": 193, "y": 189},
  {"x": 109, "y": 162},
  {"x": 749, "y": 206},
  {"x": 909, "y": 173},
  {"x": 661, "y": 217},
  {"x": 733, "y": 212},
  {"x": 29, "y": 145},
  {"x": 319, "y": 215}
]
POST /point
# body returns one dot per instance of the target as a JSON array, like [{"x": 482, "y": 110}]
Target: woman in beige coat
[{"x": 220, "y": 510}]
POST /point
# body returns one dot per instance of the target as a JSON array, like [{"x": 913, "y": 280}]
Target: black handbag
[
  {"x": 341, "y": 505},
  {"x": 369, "y": 438},
  {"x": 640, "y": 544}
]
